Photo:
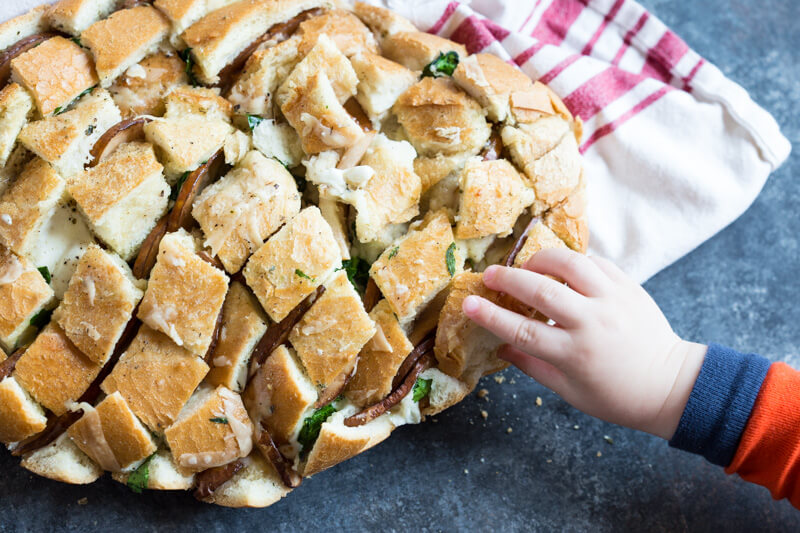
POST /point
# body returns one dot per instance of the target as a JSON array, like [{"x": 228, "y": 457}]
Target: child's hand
[{"x": 612, "y": 353}]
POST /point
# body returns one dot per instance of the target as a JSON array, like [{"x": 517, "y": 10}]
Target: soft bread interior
[{"x": 62, "y": 461}]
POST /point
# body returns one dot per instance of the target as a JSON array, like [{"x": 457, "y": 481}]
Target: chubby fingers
[
  {"x": 546, "y": 295},
  {"x": 547, "y": 342},
  {"x": 576, "y": 269},
  {"x": 540, "y": 370}
]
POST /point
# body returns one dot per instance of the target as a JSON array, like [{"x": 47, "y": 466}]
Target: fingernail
[{"x": 470, "y": 304}]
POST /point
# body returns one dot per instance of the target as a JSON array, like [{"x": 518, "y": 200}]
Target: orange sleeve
[{"x": 769, "y": 450}]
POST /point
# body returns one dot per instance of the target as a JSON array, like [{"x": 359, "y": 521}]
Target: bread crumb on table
[
  {"x": 483, "y": 394},
  {"x": 484, "y": 414},
  {"x": 83, "y": 501},
  {"x": 538, "y": 401}
]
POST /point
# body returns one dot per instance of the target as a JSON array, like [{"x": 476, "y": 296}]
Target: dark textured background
[{"x": 461, "y": 472}]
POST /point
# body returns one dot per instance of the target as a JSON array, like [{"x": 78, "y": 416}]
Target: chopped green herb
[
  {"x": 357, "y": 270},
  {"x": 218, "y": 420},
  {"x": 443, "y": 65},
  {"x": 140, "y": 478},
  {"x": 253, "y": 121},
  {"x": 176, "y": 189},
  {"x": 61, "y": 109},
  {"x": 311, "y": 427},
  {"x": 285, "y": 165},
  {"x": 89, "y": 130},
  {"x": 57, "y": 111},
  {"x": 394, "y": 252},
  {"x": 421, "y": 389},
  {"x": 450, "y": 259},
  {"x": 45, "y": 272},
  {"x": 41, "y": 318},
  {"x": 76, "y": 41},
  {"x": 186, "y": 55},
  {"x": 303, "y": 275}
]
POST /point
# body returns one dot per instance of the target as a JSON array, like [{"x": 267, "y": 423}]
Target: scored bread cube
[
  {"x": 213, "y": 429},
  {"x": 140, "y": 91},
  {"x": 98, "y": 304},
  {"x": 123, "y": 196},
  {"x": 163, "y": 473},
  {"x": 280, "y": 396},
  {"x": 185, "y": 142},
  {"x": 380, "y": 359},
  {"x": 65, "y": 140},
  {"x": 438, "y": 117},
  {"x": 62, "y": 461},
  {"x": 23, "y": 294},
  {"x": 415, "y": 49},
  {"x": 185, "y": 100},
  {"x": 463, "y": 349},
  {"x": 380, "y": 82},
  {"x": 74, "y": 16},
  {"x": 17, "y": 159},
  {"x": 331, "y": 334},
  {"x": 540, "y": 237},
  {"x": 349, "y": 34},
  {"x": 383, "y": 22},
  {"x": 245, "y": 207},
  {"x": 324, "y": 57},
  {"x": 184, "y": 13},
  {"x": 256, "y": 485},
  {"x": 432, "y": 170},
  {"x": 393, "y": 164},
  {"x": 263, "y": 73},
  {"x": 569, "y": 219},
  {"x": 243, "y": 325},
  {"x": 529, "y": 105},
  {"x": 492, "y": 81},
  {"x": 55, "y": 73},
  {"x": 337, "y": 442},
  {"x": 54, "y": 371},
  {"x": 493, "y": 196},
  {"x": 25, "y": 25},
  {"x": 16, "y": 105},
  {"x": 555, "y": 174},
  {"x": 318, "y": 117},
  {"x": 219, "y": 37},
  {"x": 28, "y": 204},
  {"x": 293, "y": 263},
  {"x": 112, "y": 435},
  {"x": 124, "y": 39},
  {"x": 184, "y": 295},
  {"x": 418, "y": 266},
  {"x": 156, "y": 377},
  {"x": 20, "y": 416}
]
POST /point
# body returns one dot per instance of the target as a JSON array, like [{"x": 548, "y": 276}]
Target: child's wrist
[{"x": 691, "y": 356}]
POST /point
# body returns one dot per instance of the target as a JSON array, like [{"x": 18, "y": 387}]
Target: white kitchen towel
[{"x": 674, "y": 151}]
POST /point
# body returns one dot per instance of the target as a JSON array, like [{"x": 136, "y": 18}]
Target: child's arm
[{"x": 613, "y": 355}]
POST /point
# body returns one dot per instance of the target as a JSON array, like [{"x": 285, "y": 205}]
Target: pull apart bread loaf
[{"x": 235, "y": 236}]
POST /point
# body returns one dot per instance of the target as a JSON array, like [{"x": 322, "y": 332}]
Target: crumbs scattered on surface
[
  {"x": 483, "y": 394},
  {"x": 599, "y": 454},
  {"x": 509, "y": 430},
  {"x": 83, "y": 501},
  {"x": 608, "y": 439},
  {"x": 538, "y": 401},
  {"x": 576, "y": 426},
  {"x": 549, "y": 461},
  {"x": 499, "y": 379},
  {"x": 466, "y": 471},
  {"x": 484, "y": 414}
]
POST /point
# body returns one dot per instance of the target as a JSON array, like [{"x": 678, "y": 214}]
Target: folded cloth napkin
[{"x": 674, "y": 151}]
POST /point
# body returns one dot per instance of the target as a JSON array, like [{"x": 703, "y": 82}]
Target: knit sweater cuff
[{"x": 720, "y": 404}]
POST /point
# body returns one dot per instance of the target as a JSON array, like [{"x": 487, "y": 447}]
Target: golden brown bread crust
[
  {"x": 23, "y": 292},
  {"x": 124, "y": 39},
  {"x": 415, "y": 49},
  {"x": 98, "y": 304},
  {"x": 346, "y": 30},
  {"x": 54, "y": 371},
  {"x": 440, "y": 118},
  {"x": 540, "y": 237},
  {"x": 279, "y": 395},
  {"x": 156, "y": 377},
  {"x": 125, "y": 437},
  {"x": 331, "y": 334},
  {"x": 569, "y": 219},
  {"x": 380, "y": 358},
  {"x": 27, "y": 203},
  {"x": 143, "y": 94},
  {"x": 184, "y": 295},
  {"x": 293, "y": 263},
  {"x": 20, "y": 417},
  {"x": 243, "y": 324},
  {"x": 16, "y": 106},
  {"x": 54, "y": 88}
]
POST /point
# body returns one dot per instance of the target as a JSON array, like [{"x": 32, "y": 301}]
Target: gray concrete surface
[{"x": 463, "y": 473}]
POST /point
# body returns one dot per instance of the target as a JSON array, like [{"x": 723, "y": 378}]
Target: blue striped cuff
[{"x": 720, "y": 403}]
